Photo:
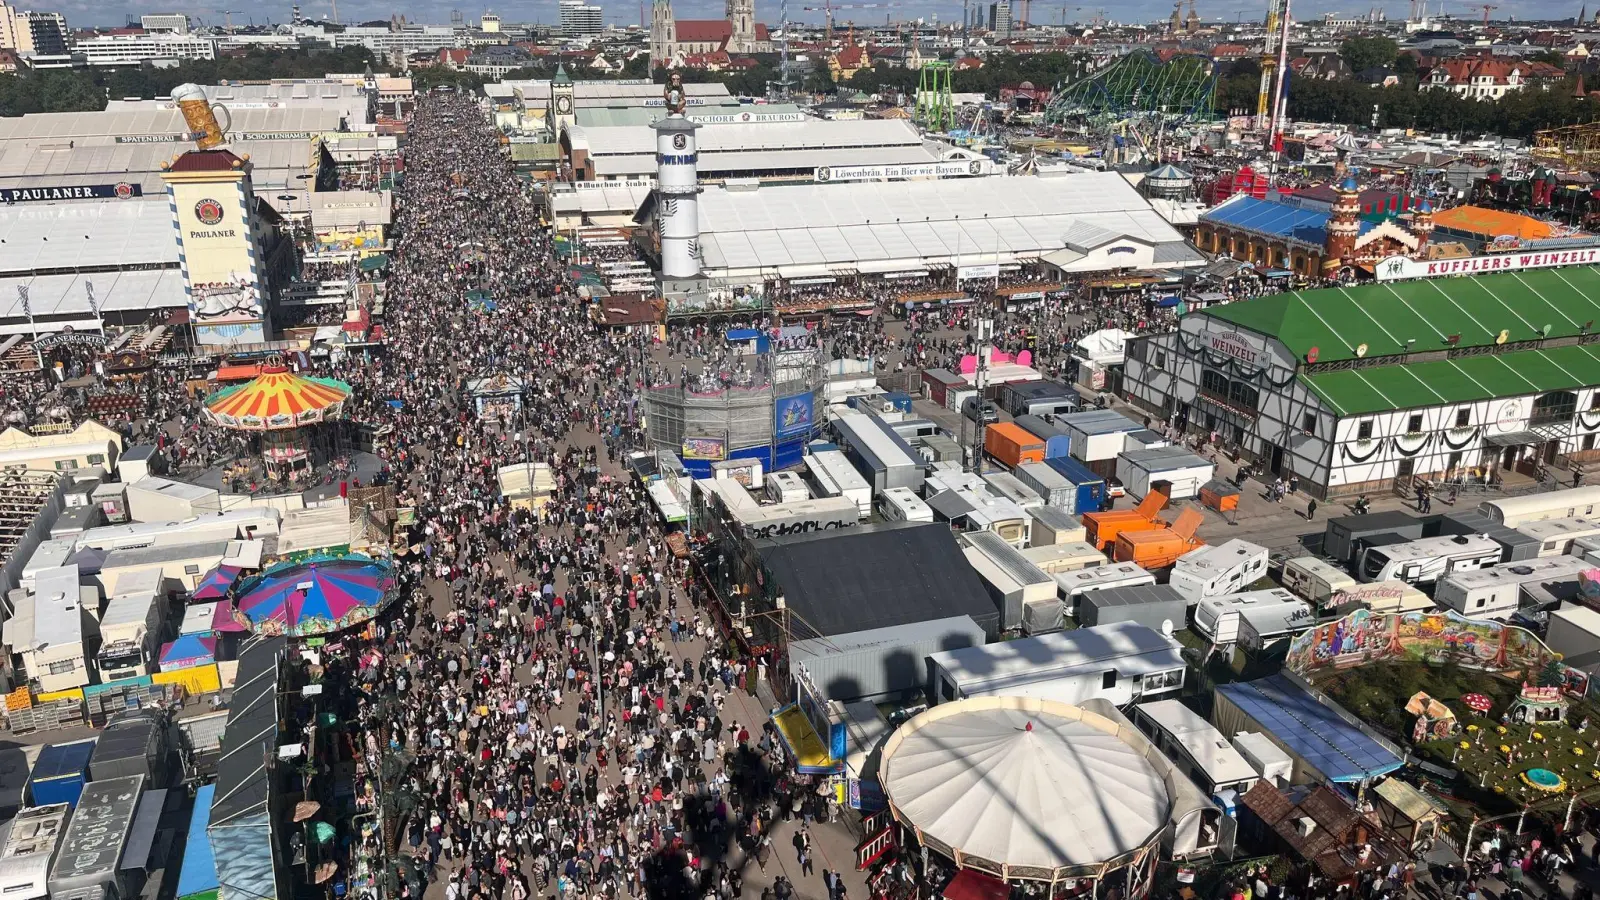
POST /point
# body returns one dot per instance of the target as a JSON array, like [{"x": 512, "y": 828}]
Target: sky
[{"x": 626, "y": 12}]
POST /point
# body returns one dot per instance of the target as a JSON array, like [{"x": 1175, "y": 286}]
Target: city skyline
[{"x": 106, "y": 13}]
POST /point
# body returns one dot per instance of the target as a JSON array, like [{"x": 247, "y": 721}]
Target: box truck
[
  {"x": 1173, "y": 471},
  {"x": 1499, "y": 591},
  {"x": 1427, "y": 560},
  {"x": 1223, "y": 569}
]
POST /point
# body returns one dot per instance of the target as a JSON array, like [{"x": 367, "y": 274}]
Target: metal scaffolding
[
  {"x": 1139, "y": 86},
  {"x": 1574, "y": 147},
  {"x": 739, "y": 412},
  {"x": 936, "y": 109}
]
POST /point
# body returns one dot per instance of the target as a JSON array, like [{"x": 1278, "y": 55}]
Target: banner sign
[
  {"x": 967, "y": 273},
  {"x": 958, "y": 169},
  {"x": 150, "y": 138},
  {"x": 793, "y": 414},
  {"x": 277, "y": 135},
  {"x": 120, "y": 190},
  {"x": 1398, "y": 267},
  {"x": 747, "y": 117},
  {"x": 70, "y": 338},
  {"x": 704, "y": 448}
]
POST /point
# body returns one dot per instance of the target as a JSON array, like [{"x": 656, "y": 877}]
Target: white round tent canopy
[{"x": 1024, "y": 788}]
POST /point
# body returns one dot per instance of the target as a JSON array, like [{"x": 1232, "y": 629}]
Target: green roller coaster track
[{"x": 1139, "y": 85}]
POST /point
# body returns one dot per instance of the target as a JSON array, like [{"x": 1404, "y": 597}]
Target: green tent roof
[
  {"x": 1352, "y": 392},
  {"x": 1385, "y": 315}
]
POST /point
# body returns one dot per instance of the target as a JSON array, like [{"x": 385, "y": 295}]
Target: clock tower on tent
[{"x": 560, "y": 114}]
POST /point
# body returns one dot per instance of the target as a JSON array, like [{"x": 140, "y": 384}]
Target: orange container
[
  {"x": 1101, "y": 528},
  {"x": 1219, "y": 495},
  {"x": 1154, "y": 548},
  {"x": 1157, "y": 548},
  {"x": 1012, "y": 444}
]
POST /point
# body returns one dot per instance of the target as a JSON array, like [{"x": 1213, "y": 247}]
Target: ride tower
[{"x": 677, "y": 197}]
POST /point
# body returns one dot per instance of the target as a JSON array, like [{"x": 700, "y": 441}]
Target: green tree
[
  {"x": 1550, "y": 675},
  {"x": 1553, "y": 57},
  {"x": 1362, "y": 53}
]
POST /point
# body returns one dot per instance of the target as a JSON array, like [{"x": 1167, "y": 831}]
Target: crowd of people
[{"x": 567, "y": 724}]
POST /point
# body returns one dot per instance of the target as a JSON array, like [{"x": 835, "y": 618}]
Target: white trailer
[
  {"x": 1268, "y": 759},
  {"x": 1068, "y": 556},
  {"x": 1052, "y": 525},
  {"x": 1514, "y": 511},
  {"x": 1097, "y": 434},
  {"x": 787, "y": 487},
  {"x": 903, "y": 505},
  {"x": 1009, "y": 487},
  {"x": 1256, "y": 617},
  {"x": 833, "y": 474},
  {"x": 1070, "y": 586},
  {"x": 1556, "y": 537},
  {"x": 1316, "y": 579},
  {"x": 1496, "y": 592},
  {"x": 1140, "y": 471},
  {"x": 1020, "y": 589},
  {"x": 1221, "y": 569},
  {"x": 1427, "y": 560}
]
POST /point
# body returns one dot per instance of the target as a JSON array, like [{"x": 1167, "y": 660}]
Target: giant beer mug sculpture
[{"x": 198, "y": 115}]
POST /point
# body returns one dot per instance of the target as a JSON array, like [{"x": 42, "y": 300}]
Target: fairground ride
[
  {"x": 1139, "y": 90},
  {"x": 1574, "y": 147}
]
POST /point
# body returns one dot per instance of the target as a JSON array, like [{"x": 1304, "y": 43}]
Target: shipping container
[
  {"x": 937, "y": 382},
  {"x": 1227, "y": 568},
  {"x": 1316, "y": 580},
  {"x": 900, "y": 400},
  {"x": 1011, "y": 444},
  {"x": 1174, "y": 471},
  {"x": 1340, "y": 537},
  {"x": 939, "y": 448},
  {"x": 1054, "y": 526},
  {"x": 60, "y": 773},
  {"x": 1057, "y": 441},
  {"x": 1051, "y": 486},
  {"x": 1092, "y": 492},
  {"x": 1069, "y": 556},
  {"x": 1498, "y": 592},
  {"x": 1155, "y": 606},
  {"x": 1098, "y": 434}
]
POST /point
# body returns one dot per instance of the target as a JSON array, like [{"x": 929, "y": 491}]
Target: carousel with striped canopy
[{"x": 283, "y": 407}]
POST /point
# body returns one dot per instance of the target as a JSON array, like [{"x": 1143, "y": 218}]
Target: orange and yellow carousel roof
[{"x": 275, "y": 399}]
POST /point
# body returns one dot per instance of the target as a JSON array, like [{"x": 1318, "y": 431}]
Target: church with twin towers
[{"x": 672, "y": 40}]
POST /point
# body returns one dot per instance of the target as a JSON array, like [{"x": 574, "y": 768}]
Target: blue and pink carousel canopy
[
  {"x": 188, "y": 650},
  {"x": 215, "y": 584},
  {"x": 314, "y": 597}
]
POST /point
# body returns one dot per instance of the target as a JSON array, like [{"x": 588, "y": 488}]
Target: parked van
[
  {"x": 1428, "y": 560},
  {"x": 1316, "y": 579}
]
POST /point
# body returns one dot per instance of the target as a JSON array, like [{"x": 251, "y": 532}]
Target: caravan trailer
[
  {"x": 1068, "y": 556},
  {"x": 1267, "y": 615},
  {"x": 1427, "y": 560},
  {"x": 1224, "y": 569},
  {"x": 1315, "y": 579},
  {"x": 786, "y": 487},
  {"x": 903, "y": 505},
  {"x": 1070, "y": 586},
  {"x": 1563, "y": 504},
  {"x": 1557, "y": 536},
  {"x": 1497, "y": 592}
]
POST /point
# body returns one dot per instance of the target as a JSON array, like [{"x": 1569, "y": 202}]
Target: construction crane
[
  {"x": 1487, "y": 8},
  {"x": 228, "y": 14},
  {"x": 828, "y": 7}
]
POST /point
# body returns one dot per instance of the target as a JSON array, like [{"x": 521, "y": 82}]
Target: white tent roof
[
  {"x": 1023, "y": 783},
  {"x": 76, "y": 234},
  {"x": 920, "y": 222},
  {"x": 54, "y": 295}
]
